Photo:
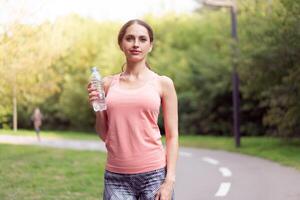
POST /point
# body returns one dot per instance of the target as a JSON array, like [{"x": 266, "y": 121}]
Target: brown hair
[{"x": 122, "y": 33}]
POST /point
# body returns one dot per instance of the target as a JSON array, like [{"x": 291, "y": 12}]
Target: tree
[
  {"x": 272, "y": 64},
  {"x": 27, "y": 53}
]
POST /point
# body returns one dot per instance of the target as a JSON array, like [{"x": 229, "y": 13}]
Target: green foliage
[
  {"x": 92, "y": 45},
  {"x": 195, "y": 50},
  {"x": 272, "y": 65},
  {"x": 192, "y": 52},
  {"x": 25, "y": 66}
]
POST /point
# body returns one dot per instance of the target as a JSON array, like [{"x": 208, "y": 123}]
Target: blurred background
[{"x": 48, "y": 47}]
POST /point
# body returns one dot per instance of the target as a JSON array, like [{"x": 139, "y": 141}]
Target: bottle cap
[{"x": 94, "y": 69}]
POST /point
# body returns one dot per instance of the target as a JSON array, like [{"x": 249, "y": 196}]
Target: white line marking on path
[
  {"x": 223, "y": 189},
  {"x": 210, "y": 160},
  {"x": 185, "y": 154},
  {"x": 225, "y": 171}
]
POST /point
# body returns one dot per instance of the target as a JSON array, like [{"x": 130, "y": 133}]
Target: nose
[{"x": 136, "y": 43}]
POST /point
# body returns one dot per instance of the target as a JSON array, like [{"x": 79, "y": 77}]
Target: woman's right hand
[{"x": 93, "y": 94}]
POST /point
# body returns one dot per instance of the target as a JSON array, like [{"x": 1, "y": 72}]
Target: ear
[{"x": 151, "y": 46}]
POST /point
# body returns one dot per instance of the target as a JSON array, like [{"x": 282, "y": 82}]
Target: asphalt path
[{"x": 207, "y": 174}]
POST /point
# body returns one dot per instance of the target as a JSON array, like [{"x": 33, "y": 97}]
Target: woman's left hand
[{"x": 165, "y": 191}]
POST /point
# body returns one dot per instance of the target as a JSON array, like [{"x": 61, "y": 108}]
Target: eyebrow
[{"x": 130, "y": 35}]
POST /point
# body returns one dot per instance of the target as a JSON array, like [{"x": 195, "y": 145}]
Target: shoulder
[
  {"x": 166, "y": 84},
  {"x": 165, "y": 81},
  {"x": 107, "y": 80}
]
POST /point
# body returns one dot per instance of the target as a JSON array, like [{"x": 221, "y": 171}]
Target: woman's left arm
[{"x": 170, "y": 116}]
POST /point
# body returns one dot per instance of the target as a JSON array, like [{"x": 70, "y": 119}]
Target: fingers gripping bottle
[{"x": 97, "y": 83}]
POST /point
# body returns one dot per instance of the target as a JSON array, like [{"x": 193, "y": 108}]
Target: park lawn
[
  {"x": 31, "y": 172},
  {"x": 284, "y": 152}
]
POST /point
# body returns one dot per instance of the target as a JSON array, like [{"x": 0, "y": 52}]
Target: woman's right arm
[{"x": 101, "y": 116}]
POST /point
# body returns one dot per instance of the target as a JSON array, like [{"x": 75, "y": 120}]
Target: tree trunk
[{"x": 15, "y": 116}]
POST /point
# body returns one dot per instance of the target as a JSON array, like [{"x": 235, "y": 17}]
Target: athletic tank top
[{"x": 133, "y": 138}]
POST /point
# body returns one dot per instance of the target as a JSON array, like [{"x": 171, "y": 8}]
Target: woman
[
  {"x": 37, "y": 117},
  {"x": 137, "y": 165}
]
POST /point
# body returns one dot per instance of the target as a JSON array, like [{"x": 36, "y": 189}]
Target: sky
[{"x": 37, "y": 11}]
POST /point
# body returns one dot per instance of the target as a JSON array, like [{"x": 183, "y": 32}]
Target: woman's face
[{"x": 136, "y": 43}]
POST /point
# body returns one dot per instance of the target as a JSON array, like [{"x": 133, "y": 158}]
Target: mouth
[{"x": 135, "y": 52}]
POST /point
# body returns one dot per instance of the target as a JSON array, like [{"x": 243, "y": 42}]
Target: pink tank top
[{"x": 133, "y": 138}]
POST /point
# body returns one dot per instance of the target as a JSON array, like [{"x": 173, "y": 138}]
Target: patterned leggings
[{"x": 142, "y": 186}]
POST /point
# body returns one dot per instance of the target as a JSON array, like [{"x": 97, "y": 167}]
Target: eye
[
  {"x": 143, "y": 39},
  {"x": 128, "y": 38}
]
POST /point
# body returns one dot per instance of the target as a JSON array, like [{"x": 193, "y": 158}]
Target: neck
[{"x": 136, "y": 69}]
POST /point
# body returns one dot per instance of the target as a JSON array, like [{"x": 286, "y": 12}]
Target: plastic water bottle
[{"x": 97, "y": 83}]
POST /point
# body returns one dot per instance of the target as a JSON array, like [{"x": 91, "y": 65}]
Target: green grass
[
  {"x": 29, "y": 172},
  {"x": 283, "y": 152}
]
